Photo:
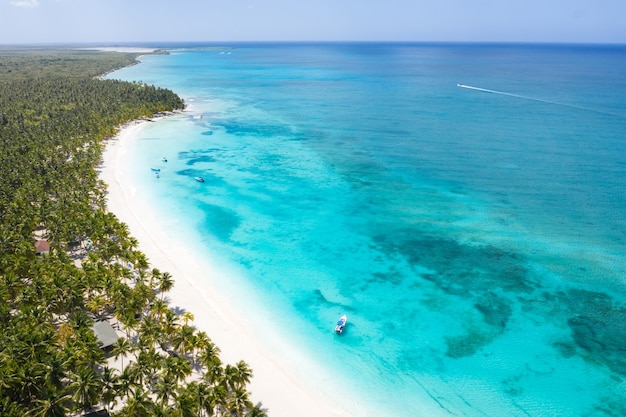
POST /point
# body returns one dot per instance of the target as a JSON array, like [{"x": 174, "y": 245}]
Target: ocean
[{"x": 463, "y": 204}]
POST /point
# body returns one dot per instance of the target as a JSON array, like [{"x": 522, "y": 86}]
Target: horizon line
[{"x": 210, "y": 42}]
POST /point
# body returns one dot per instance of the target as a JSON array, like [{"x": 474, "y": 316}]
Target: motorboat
[
  {"x": 164, "y": 159},
  {"x": 156, "y": 169},
  {"x": 341, "y": 323},
  {"x": 199, "y": 179}
]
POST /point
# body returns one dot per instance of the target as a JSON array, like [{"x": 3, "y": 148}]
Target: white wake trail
[
  {"x": 469, "y": 87},
  {"x": 486, "y": 90}
]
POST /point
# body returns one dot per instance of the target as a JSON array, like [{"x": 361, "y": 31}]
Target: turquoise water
[{"x": 475, "y": 237}]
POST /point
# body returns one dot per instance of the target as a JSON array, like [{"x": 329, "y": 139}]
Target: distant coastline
[{"x": 124, "y": 49}]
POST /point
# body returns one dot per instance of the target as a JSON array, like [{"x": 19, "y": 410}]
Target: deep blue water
[{"x": 475, "y": 237}]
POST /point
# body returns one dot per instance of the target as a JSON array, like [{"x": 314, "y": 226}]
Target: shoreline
[{"x": 274, "y": 384}]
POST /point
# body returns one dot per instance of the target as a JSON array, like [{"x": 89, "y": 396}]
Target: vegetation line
[{"x": 69, "y": 270}]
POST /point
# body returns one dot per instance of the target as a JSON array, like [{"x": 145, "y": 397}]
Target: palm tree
[
  {"x": 149, "y": 332},
  {"x": 165, "y": 389},
  {"x": 138, "y": 404},
  {"x": 121, "y": 348},
  {"x": 244, "y": 373},
  {"x": 126, "y": 382},
  {"x": 55, "y": 371},
  {"x": 187, "y": 316},
  {"x": 148, "y": 362},
  {"x": 155, "y": 277},
  {"x": 128, "y": 317},
  {"x": 170, "y": 322},
  {"x": 87, "y": 387},
  {"x": 80, "y": 320},
  {"x": 183, "y": 339},
  {"x": 135, "y": 373},
  {"x": 85, "y": 350},
  {"x": 202, "y": 394},
  {"x": 160, "y": 410},
  {"x": 200, "y": 342},
  {"x": 238, "y": 402},
  {"x": 177, "y": 368},
  {"x": 140, "y": 260},
  {"x": 219, "y": 400},
  {"x": 9, "y": 380},
  {"x": 9, "y": 408},
  {"x": 209, "y": 353},
  {"x": 166, "y": 283},
  {"x": 158, "y": 308},
  {"x": 256, "y": 411},
  {"x": 185, "y": 404},
  {"x": 211, "y": 362},
  {"x": 237, "y": 376},
  {"x": 54, "y": 404},
  {"x": 109, "y": 387},
  {"x": 96, "y": 304}
]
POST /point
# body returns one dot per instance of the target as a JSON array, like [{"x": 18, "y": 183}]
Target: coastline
[{"x": 274, "y": 384}]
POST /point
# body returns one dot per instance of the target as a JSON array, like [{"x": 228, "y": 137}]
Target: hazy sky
[{"x": 110, "y": 21}]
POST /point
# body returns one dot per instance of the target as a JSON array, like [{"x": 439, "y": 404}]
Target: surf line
[{"x": 485, "y": 90}]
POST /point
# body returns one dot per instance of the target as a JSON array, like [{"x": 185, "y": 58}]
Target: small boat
[
  {"x": 199, "y": 179},
  {"x": 164, "y": 159},
  {"x": 156, "y": 169},
  {"x": 156, "y": 174},
  {"x": 341, "y": 324}
]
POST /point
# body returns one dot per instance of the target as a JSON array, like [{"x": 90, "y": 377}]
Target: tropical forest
[{"x": 68, "y": 266}]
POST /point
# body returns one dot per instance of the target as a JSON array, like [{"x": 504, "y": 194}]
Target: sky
[{"x": 128, "y": 21}]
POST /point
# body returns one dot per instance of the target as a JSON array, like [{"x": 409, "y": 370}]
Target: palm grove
[{"x": 54, "y": 119}]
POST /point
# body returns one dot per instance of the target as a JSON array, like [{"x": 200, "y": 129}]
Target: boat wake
[
  {"x": 486, "y": 90},
  {"x": 469, "y": 87}
]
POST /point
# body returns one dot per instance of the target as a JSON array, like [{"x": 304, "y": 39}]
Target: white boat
[
  {"x": 341, "y": 323},
  {"x": 199, "y": 179}
]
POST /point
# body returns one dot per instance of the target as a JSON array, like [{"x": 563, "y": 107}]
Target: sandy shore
[{"x": 276, "y": 382}]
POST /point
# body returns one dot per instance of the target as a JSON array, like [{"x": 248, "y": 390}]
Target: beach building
[
  {"x": 105, "y": 333},
  {"x": 42, "y": 247}
]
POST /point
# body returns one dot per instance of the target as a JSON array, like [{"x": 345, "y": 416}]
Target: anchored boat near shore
[{"x": 341, "y": 324}]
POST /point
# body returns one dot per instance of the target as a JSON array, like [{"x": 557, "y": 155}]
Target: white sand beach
[{"x": 275, "y": 383}]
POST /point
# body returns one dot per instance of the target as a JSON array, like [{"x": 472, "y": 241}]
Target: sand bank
[{"x": 275, "y": 383}]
